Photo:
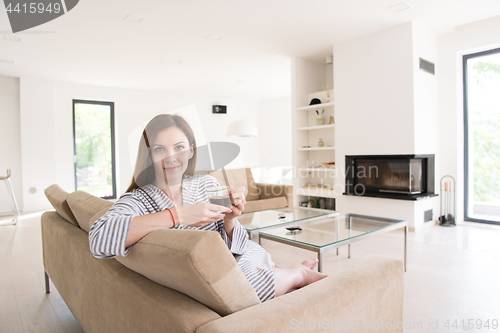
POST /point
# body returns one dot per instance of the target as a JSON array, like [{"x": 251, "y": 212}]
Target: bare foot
[
  {"x": 297, "y": 276},
  {"x": 311, "y": 264},
  {"x": 308, "y": 276}
]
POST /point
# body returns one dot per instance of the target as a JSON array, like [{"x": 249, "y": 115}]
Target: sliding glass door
[{"x": 482, "y": 136}]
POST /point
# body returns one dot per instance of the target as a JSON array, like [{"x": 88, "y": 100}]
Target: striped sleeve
[
  {"x": 240, "y": 237},
  {"x": 108, "y": 234}
]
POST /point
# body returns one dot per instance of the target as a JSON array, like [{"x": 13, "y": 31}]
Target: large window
[
  {"x": 482, "y": 136},
  {"x": 94, "y": 148}
]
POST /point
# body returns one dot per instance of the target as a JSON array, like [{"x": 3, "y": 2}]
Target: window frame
[
  {"x": 466, "y": 133},
  {"x": 112, "y": 125}
]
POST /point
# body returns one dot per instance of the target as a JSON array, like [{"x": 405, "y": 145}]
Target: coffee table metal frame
[{"x": 348, "y": 241}]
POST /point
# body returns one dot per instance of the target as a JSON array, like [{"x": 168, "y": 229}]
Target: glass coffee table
[
  {"x": 327, "y": 234},
  {"x": 257, "y": 221}
]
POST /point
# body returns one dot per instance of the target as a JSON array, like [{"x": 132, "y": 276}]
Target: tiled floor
[{"x": 452, "y": 273}]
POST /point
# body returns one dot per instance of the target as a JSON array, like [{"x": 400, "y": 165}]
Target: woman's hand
[
  {"x": 200, "y": 214},
  {"x": 238, "y": 201}
]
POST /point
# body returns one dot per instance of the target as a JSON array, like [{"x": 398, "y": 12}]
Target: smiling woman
[
  {"x": 171, "y": 160},
  {"x": 165, "y": 194},
  {"x": 170, "y": 139}
]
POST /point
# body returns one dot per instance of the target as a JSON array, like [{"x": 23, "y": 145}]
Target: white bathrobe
[{"x": 108, "y": 234}]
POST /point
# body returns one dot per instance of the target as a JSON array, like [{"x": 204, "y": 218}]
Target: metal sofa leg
[{"x": 47, "y": 285}]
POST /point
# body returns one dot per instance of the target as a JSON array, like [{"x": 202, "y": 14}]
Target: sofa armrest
[
  {"x": 267, "y": 191},
  {"x": 370, "y": 293},
  {"x": 104, "y": 295}
]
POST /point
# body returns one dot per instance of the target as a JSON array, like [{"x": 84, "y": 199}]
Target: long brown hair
[{"x": 144, "y": 172}]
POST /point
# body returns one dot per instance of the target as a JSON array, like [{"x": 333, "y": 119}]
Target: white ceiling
[{"x": 93, "y": 43}]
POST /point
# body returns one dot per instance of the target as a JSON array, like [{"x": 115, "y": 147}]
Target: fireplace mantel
[{"x": 414, "y": 197}]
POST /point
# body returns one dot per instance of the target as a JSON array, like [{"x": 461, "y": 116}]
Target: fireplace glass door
[{"x": 391, "y": 175}]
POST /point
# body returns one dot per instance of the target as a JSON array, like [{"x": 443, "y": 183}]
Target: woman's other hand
[
  {"x": 238, "y": 201},
  {"x": 200, "y": 214}
]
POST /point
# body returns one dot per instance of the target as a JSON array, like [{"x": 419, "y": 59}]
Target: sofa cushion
[
  {"x": 85, "y": 206},
  {"x": 196, "y": 263},
  {"x": 264, "y": 204},
  {"x": 104, "y": 295},
  {"x": 237, "y": 178},
  {"x": 57, "y": 197}
]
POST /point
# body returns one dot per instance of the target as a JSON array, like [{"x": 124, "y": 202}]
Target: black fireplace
[{"x": 406, "y": 177}]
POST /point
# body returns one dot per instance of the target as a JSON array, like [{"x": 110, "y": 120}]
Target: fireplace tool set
[{"x": 447, "y": 204}]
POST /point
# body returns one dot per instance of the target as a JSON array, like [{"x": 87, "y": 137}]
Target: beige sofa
[
  {"x": 187, "y": 281},
  {"x": 259, "y": 196}
]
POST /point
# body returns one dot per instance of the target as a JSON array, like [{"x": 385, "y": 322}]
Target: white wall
[
  {"x": 46, "y": 129},
  {"x": 275, "y": 136},
  {"x": 38, "y": 141},
  {"x": 471, "y": 38},
  {"x": 10, "y": 142},
  {"x": 385, "y": 105},
  {"x": 426, "y": 97},
  {"x": 374, "y": 94},
  {"x": 373, "y": 97}
]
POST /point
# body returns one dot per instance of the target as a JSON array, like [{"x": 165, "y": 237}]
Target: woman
[{"x": 165, "y": 193}]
